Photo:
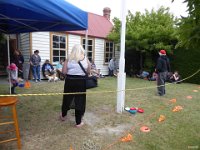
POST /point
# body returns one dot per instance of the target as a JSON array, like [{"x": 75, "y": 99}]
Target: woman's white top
[{"x": 73, "y": 68}]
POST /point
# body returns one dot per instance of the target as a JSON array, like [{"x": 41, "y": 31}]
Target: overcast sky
[{"x": 96, "y": 6}]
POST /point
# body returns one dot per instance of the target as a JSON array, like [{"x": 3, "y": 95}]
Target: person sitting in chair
[
  {"x": 112, "y": 66},
  {"x": 59, "y": 67},
  {"x": 143, "y": 75},
  {"x": 153, "y": 77},
  {"x": 47, "y": 68},
  {"x": 94, "y": 70},
  {"x": 175, "y": 78}
]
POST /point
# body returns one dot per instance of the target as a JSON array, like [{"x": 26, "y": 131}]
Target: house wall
[
  {"x": 72, "y": 40},
  {"x": 99, "y": 56},
  {"x": 24, "y": 41},
  {"x": 98, "y": 51},
  {"x": 117, "y": 56},
  {"x": 41, "y": 42},
  {"x": 29, "y": 42}
]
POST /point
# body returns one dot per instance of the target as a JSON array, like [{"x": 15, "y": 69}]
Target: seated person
[
  {"x": 59, "y": 67},
  {"x": 169, "y": 74},
  {"x": 47, "y": 68},
  {"x": 115, "y": 72},
  {"x": 153, "y": 77},
  {"x": 94, "y": 71},
  {"x": 143, "y": 75},
  {"x": 175, "y": 77}
]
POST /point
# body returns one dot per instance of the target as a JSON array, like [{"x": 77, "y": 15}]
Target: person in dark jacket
[
  {"x": 35, "y": 61},
  {"x": 18, "y": 59},
  {"x": 162, "y": 68}
]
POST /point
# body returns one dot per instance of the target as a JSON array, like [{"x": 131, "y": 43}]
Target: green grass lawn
[{"x": 41, "y": 129}]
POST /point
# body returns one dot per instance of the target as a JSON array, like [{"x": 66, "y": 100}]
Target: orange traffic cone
[
  {"x": 27, "y": 84},
  {"x": 173, "y": 100},
  {"x": 70, "y": 148},
  {"x": 177, "y": 108},
  {"x": 127, "y": 138},
  {"x": 161, "y": 118}
]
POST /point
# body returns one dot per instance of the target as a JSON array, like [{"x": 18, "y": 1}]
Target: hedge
[{"x": 187, "y": 62}]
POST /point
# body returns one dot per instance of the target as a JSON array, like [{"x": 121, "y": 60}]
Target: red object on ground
[
  {"x": 140, "y": 110},
  {"x": 145, "y": 129},
  {"x": 133, "y": 108}
]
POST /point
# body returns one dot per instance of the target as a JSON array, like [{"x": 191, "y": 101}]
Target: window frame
[
  {"x": 59, "y": 49},
  {"x": 110, "y": 52},
  {"x": 93, "y": 46}
]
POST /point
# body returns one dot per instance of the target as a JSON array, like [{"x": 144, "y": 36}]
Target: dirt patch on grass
[
  {"x": 113, "y": 130},
  {"x": 91, "y": 119},
  {"x": 96, "y": 122}
]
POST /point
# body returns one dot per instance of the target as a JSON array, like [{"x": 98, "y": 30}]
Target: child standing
[{"x": 13, "y": 72}]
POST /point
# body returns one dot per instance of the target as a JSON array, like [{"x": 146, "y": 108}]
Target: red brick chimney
[{"x": 106, "y": 12}]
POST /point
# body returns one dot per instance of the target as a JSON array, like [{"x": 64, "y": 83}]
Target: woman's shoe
[{"x": 80, "y": 125}]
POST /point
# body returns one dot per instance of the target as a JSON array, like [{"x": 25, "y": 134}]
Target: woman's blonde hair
[{"x": 77, "y": 52}]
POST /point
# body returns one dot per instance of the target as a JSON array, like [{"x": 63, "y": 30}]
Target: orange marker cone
[
  {"x": 145, "y": 129},
  {"x": 127, "y": 138},
  {"x": 70, "y": 148},
  {"x": 161, "y": 118},
  {"x": 173, "y": 100},
  {"x": 177, "y": 108},
  {"x": 27, "y": 84}
]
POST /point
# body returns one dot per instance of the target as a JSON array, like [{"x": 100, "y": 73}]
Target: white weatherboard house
[{"x": 57, "y": 45}]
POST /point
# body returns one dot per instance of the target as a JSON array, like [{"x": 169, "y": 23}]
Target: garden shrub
[{"x": 187, "y": 62}]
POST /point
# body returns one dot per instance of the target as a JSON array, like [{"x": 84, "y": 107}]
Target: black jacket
[{"x": 163, "y": 64}]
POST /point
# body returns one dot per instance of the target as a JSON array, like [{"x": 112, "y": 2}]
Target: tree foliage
[
  {"x": 150, "y": 31},
  {"x": 189, "y": 27}
]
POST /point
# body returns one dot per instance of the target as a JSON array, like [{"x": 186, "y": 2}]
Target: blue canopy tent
[{"x": 20, "y": 16}]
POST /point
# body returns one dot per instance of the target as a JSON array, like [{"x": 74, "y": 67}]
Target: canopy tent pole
[
  {"x": 8, "y": 48},
  {"x": 121, "y": 75}
]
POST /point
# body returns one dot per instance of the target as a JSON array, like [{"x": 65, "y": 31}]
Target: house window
[
  {"x": 89, "y": 49},
  {"x": 109, "y": 51},
  {"x": 59, "y": 47}
]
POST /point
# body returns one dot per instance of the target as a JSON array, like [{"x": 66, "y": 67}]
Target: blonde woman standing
[{"x": 75, "y": 82}]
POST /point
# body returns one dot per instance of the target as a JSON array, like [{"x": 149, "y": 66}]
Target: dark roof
[{"x": 98, "y": 26}]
